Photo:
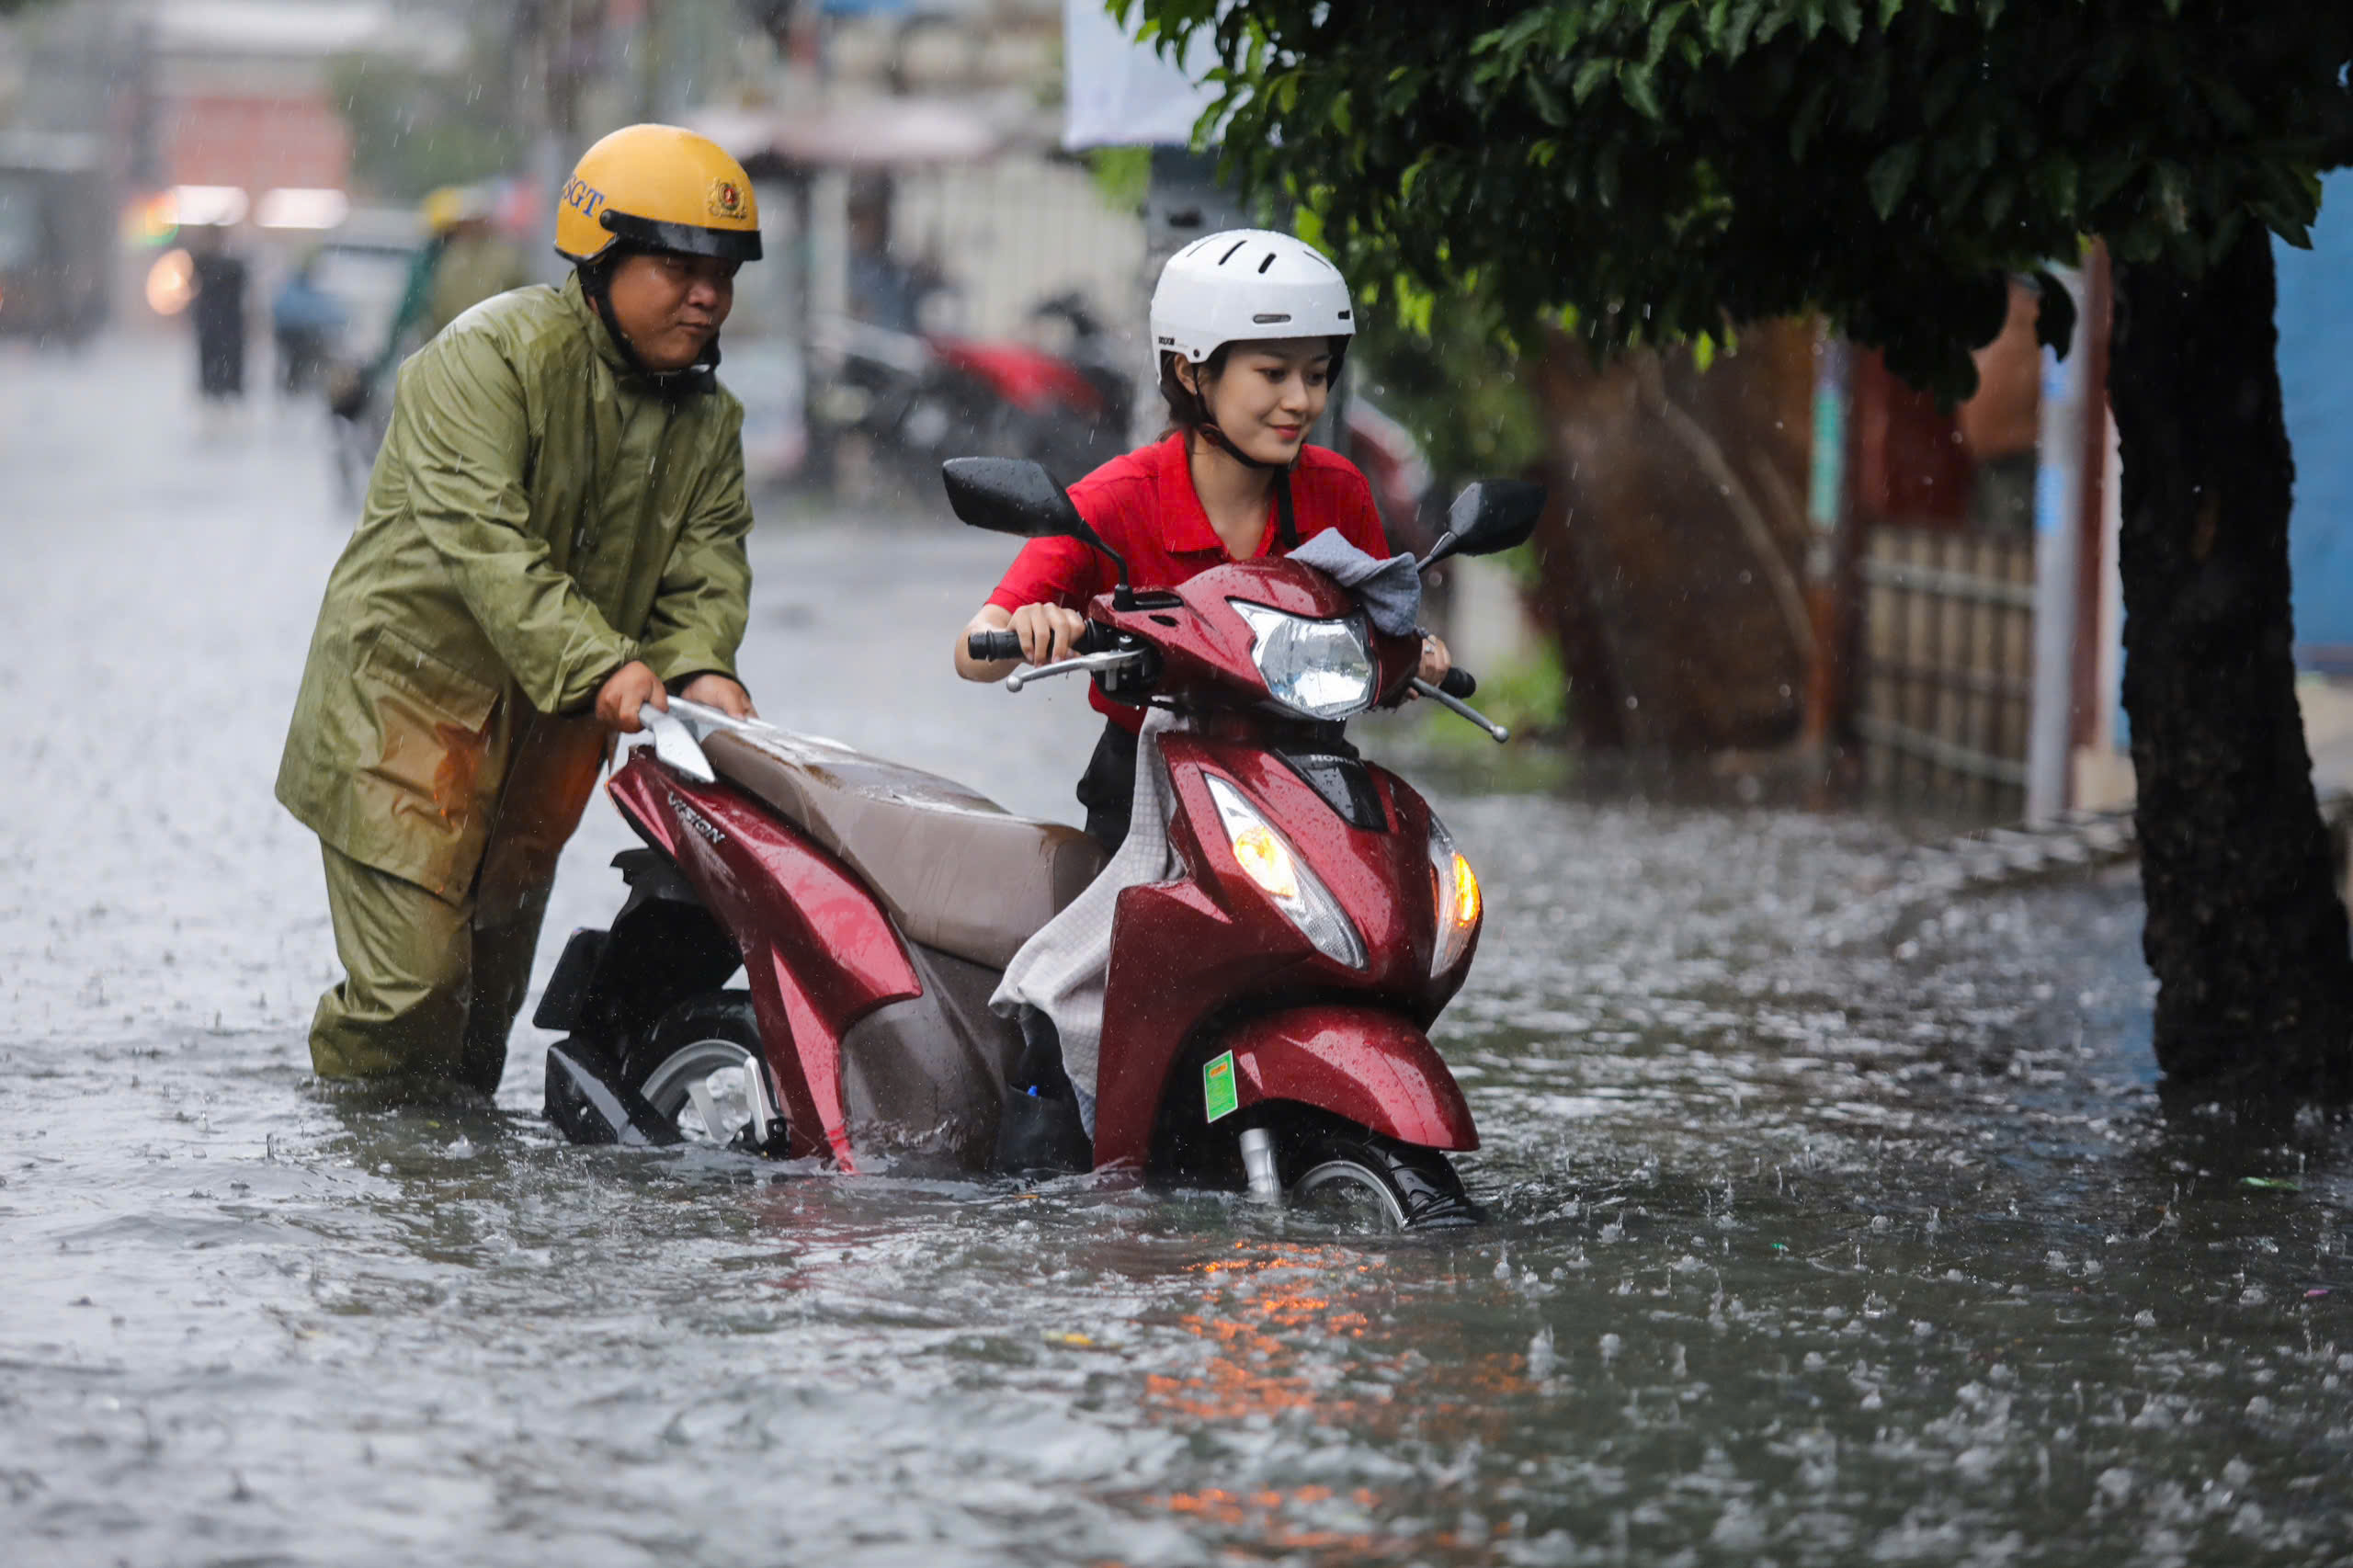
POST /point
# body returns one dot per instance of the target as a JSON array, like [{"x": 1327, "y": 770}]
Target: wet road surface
[{"x": 1828, "y": 1229}]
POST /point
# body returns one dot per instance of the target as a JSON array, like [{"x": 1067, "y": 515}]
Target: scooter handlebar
[
  {"x": 990, "y": 646},
  {"x": 1459, "y": 682}
]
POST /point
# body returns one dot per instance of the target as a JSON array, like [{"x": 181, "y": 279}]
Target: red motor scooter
[{"x": 1267, "y": 1012}]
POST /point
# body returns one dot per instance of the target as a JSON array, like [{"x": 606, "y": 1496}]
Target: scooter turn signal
[{"x": 1270, "y": 862}]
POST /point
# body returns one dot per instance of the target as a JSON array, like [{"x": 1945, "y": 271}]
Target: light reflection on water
[{"x": 1809, "y": 1245}]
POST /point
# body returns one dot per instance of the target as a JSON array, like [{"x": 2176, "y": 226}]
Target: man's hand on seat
[
  {"x": 625, "y": 691},
  {"x": 718, "y": 691}
]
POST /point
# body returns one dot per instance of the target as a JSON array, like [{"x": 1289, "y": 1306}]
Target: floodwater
[{"x": 1829, "y": 1228}]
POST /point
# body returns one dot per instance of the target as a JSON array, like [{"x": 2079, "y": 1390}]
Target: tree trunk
[
  {"x": 2244, "y": 934},
  {"x": 1597, "y": 699}
]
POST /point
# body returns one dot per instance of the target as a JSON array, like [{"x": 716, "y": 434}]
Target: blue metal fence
[{"x": 2316, "y": 379}]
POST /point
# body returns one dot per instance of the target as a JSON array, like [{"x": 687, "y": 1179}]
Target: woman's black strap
[{"x": 1286, "y": 523}]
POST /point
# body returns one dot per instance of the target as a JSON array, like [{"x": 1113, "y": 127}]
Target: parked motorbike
[
  {"x": 1266, "y": 1013},
  {"x": 918, "y": 398},
  {"x": 1072, "y": 410}
]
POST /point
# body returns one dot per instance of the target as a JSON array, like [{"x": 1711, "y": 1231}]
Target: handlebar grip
[
  {"x": 991, "y": 645},
  {"x": 1459, "y": 683}
]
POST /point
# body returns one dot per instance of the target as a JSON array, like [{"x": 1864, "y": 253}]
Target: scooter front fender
[{"x": 1372, "y": 1067}]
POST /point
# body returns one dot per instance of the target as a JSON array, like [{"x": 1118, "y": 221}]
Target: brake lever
[
  {"x": 1090, "y": 663},
  {"x": 1496, "y": 732}
]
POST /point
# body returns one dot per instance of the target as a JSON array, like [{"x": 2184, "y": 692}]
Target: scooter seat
[{"x": 957, "y": 871}]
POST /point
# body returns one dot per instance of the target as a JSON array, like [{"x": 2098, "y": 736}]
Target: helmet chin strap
[
  {"x": 1217, "y": 438},
  {"x": 1287, "y": 525},
  {"x": 672, "y": 386}
]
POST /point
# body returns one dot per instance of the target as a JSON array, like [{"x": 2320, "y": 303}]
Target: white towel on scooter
[{"x": 1062, "y": 969}]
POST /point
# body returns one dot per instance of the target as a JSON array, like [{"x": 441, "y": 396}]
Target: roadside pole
[
  {"x": 1826, "y": 573},
  {"x": 2058, "y": 520}
]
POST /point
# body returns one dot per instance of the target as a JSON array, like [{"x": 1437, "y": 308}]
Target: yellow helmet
[
  {"x": 450, "y": 205},
  {"x": 661, "y": 188}
]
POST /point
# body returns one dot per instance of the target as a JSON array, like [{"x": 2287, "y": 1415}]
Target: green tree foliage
[
  {"x": 1122, "y": 175},
  {"x": 1658, "y": 166},
  {"x": 1451, "y": 381}
]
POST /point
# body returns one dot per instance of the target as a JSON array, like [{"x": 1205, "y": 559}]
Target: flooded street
[{"x": 1827, "y": 1228}]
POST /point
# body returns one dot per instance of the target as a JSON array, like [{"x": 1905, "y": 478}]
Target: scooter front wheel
[
  {"x": 699, "y": 1067},
  {"x": 1361, "y": 1179}
]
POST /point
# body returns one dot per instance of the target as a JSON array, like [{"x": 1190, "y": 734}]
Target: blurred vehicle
[
  {"x": 363, "y": 266},
  {"x": 305, "y": 321},
  {"x": 56, "y": 235},
  {"x": 1069, "y": 408},
  {"x": 1404, "y": 488},
  {"x": 919, "y": 398},
  {"x": 894, "y": 382}
]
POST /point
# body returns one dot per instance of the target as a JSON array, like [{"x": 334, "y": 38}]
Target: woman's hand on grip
[
  {"x": 1436, "y": 660},
  {"x": 1048, "y": 632}
]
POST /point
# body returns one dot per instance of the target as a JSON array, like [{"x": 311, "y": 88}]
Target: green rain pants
[{"x": 428, "y": 995}]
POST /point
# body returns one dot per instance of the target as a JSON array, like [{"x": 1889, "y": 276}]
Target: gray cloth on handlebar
[
  {"x": 1062, "y": 969},
  {"x": 1391, "y": 590}
]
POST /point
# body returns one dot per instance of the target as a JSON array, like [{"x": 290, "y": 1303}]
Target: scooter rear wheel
[
  {"x": 699, "y": 1067},
  {"x": 1364, "y": 1180}
]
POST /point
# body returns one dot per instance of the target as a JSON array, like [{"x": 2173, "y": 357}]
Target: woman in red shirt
[{"x": 1250, "y": 327}]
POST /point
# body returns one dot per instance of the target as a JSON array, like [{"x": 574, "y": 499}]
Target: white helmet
[{"x": 1247, "y": 285}]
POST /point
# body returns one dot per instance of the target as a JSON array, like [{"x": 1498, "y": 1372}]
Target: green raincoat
[
  {"x": 539, "y": 515},
  {"x": 471, "y": 269}
]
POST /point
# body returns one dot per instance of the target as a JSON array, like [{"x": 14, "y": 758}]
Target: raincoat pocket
[{"x": 433, "y": 728}]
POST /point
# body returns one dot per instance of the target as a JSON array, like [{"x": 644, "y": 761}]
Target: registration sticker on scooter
[{"x": 1219, "y": 1095}]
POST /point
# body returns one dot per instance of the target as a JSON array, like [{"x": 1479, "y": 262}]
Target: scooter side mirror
[
  {"x": 1010, "y": 496},
  {"x": 1014, "y": 495},
  {"x": 1490, "y": 517}
]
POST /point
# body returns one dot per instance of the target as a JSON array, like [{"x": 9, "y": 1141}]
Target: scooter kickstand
[{"x": 1258, "y": 1161}]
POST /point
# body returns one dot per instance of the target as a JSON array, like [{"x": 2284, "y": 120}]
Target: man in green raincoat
[
  {"x": 462, "y": 262},
  {"x": 554, "y": 537}
]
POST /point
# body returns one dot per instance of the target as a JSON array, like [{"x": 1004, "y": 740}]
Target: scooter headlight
[
  {"x": 1320, "y": 668},
  {"x": 1455, "y": 889},
  {"x": 1271, "y": 863}
]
